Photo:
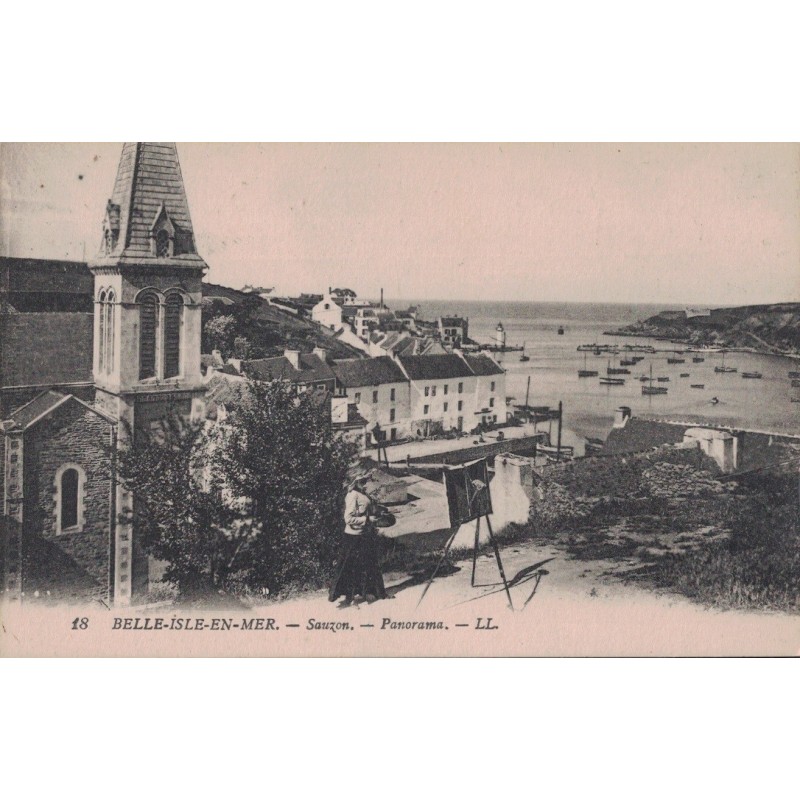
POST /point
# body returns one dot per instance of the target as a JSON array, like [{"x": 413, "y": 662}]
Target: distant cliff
[{"x": 768, "y": 329}]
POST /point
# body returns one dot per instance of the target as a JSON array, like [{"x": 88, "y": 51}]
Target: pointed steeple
[{"x": 147, "y": 219}]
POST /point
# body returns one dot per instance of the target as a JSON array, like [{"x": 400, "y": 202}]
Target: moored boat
[
  {"x": 794, "y": 374},
  {"x": 676, "y": 361},
  {"x": 752, "y": 375},
  {"x": 612, "y": 381},
  {"x": 723, "y": 368},
  {"x": 662, "y": 379},
  {"x": 697, "y": 359},
  {"x": 684, "y": 375},
  {"x": 586, "y": 373},
  {"x": 697, "y": 386}
]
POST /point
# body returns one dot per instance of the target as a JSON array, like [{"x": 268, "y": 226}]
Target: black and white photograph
[{"x": 434, "y": 399}]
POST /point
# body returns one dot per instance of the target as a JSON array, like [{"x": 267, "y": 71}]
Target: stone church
[{"x": 91, "y": 355}]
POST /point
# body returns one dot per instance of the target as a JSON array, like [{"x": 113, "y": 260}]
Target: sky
[{"x": 707, "y": 224}]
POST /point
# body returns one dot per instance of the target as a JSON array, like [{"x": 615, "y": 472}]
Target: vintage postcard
[{"x": 399, "y": 399}]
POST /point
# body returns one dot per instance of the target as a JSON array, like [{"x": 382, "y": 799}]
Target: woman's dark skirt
[{"x": 357, "y": 571}]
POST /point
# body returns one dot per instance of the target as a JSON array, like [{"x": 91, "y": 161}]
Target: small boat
[
  {"x": 684, "y": 375},
  {"x": 653, "y": 389},
  {"x": 586, "y": 373},
  {"x": 676, "y": 361},
  {"x": 697, "y": 386},
  {"x": 560, "y": 330},
  {"x": 794, "y": 374},
  {"x": 627, "y": 362},
  {"x": 714, "y": 401},
  {"x": 723, "y": 368},
  {"x": 752, "y": 375},
  {"x": 617, "y": 371},
  {"x": 662, "y": 379},
  {"x": 796, "y": 384},
  {"x": 697, "y": 359},
  {"x": 795, "y": 399},
  {"x": 637, "y": 359},
  {"x": 644, "y": 378},
  {"x": 612, "y": 381},
  {"x": 523, "y": 357}
]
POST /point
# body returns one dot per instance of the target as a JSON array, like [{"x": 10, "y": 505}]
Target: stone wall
[
  {"x": 619, "y": 475},
  {"x": 73, "y": 434}
]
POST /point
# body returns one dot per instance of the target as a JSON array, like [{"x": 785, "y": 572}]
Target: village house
[
  {"x": 453, "y": 331},
  {"x": 733, "y": 449},
  {"x": 381, "y": 393},
  {"x": 448, "y": 392},
  {"x": 303, "y": 370},
  {"x": 328, "y": 313}
]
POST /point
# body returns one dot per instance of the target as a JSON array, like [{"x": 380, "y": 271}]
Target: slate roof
[
  {"x": 482, "y": 364},
  {"x": 36, "y": 275},
  {"x": 313, "y": 369},
  {"x": 224, "y": 391},
  {"x": 368, "y": 371},
  {"x": 46, "y": 349},
  {"x": 642, "y": 434},
  {"x": 434, "y": 367},
  {"x": 452, "y": 322},
  {"x": 416, "y": 346},
  {"x": 149, "y": 175},
  {"x": 43, "y": 405}
]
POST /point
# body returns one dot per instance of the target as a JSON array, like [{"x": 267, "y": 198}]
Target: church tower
[{"x": 147, "y": 320}]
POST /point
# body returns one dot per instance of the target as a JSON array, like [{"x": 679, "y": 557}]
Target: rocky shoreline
[{"x": 774, "y": 330}]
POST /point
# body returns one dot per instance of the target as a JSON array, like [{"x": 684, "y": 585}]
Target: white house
[
  {"x": 328, "y": 313},
  {"x": 380, "y": 392},
  {"x": 490, "y": 388},
  {"x": 443, "y": 392},
  {"x": 455, "y": 391}
]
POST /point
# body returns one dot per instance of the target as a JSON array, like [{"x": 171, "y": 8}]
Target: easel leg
[
  {"x": 438, "y": 566},
  {"x": 475, "y": 548},
  {"x": 499, "y": 562}
]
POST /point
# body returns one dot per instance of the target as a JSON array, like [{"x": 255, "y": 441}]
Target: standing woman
[{"x": 357, "y": 572}]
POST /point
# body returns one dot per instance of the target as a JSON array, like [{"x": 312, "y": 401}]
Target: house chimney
[
  {"x": 322, "y": 353},
  {"x": 381, "y": 298},
  {"x": 293, "y": 357},
  {"x": 621, "y": 416}
]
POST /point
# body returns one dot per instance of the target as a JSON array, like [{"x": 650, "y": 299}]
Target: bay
[{"x": 588, "y": 406}]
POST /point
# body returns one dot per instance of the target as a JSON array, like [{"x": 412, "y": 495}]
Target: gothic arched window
[
  {"x": 162, "y": 244},
  {"x": 173, "y": 317},
  {"x": 148, "y": 328},
  {"x": 110, "y": 333},
  {"x": 101, "y": 332}
]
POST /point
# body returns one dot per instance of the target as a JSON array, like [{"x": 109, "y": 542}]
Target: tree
[
  {"x": 253, "y": 500},
  {"x": 281, "y": 453},
  {"x": 180, "y": 507},
  {"x": 219, "y": 334}
]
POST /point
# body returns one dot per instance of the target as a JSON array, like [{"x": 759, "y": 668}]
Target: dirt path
[{"x": 563, "y": 607}]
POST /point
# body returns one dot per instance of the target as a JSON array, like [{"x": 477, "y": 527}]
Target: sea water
[{"x": 589, "y": 406}]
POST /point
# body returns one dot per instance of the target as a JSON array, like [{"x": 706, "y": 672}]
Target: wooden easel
[{"x": 475, "y": 548}]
